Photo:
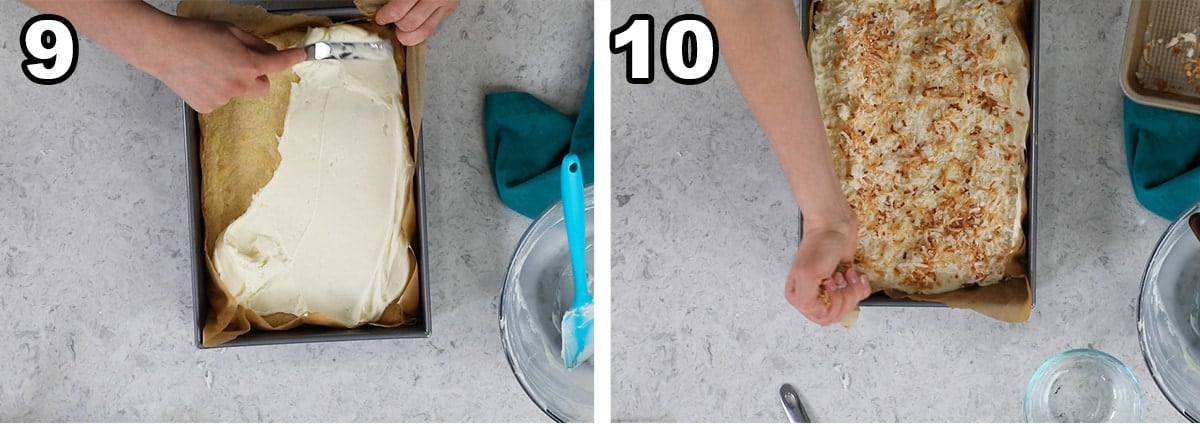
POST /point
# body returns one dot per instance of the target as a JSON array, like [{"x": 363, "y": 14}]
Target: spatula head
[
  {"x": 577, "y": 343},
  {"x": 349, "y": 51}
]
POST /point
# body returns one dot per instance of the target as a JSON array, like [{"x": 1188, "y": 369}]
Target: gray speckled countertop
[
  {"x": 94, "y": 239},
  {"x": 705, "y": 229}
]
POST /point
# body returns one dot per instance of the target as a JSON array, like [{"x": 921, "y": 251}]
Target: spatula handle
[{"x": 573, "y": 214}]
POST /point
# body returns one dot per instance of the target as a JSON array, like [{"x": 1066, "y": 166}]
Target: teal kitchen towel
[
  {"x": 1162, "y": 148},
  {"x": 526, "y": 142}
]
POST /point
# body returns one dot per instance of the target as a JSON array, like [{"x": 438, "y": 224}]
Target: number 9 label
[{"x": 51, "y": 49}]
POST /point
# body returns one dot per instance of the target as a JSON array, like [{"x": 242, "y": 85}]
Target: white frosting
[{"x": 323, "y": 235}]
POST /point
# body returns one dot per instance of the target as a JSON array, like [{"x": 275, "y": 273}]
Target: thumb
[
  {"x": 272, "y": 62},
  {"x": 849, "y": 248}
]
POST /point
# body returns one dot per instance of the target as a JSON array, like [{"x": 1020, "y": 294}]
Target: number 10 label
[{"x": 688, "y": 48}]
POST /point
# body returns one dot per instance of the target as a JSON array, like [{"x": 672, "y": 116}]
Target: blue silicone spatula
[{"x": 577, "y": 322}]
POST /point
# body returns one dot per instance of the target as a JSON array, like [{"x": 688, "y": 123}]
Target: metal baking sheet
[
  {"x": 1030, "y": 221},
  {"x": 304, "y": 334},
  {"x": 1152, "y": 24}
]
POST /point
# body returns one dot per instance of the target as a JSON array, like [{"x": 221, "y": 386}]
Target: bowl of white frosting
[
  {"x": 537, "y": 291},
  {"x": 1169, "y": 316}
]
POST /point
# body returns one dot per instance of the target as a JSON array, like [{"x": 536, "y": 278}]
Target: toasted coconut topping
[{"x": 925, "y": 106}]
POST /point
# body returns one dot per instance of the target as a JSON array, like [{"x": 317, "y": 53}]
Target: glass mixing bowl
[
  {"x": 537, "y": 291},
  {"x": 1083, "y": 385},
  {"x": 1169, "y": 316}
]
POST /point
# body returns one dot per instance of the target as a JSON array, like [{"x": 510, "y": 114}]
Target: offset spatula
[{"x": 349, "y": 51}]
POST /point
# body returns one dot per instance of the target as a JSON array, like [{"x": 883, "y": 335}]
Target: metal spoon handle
[{"x": 791, "y": 404}]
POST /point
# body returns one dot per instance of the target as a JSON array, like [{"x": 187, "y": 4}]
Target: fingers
[
  {"x": 255, "y": 82},
  {"x": 254, "y": 86},
  {"x": 203, "y": 107},
  {"x": 833, "y": 297},
  {"x": 393, "y": 11},
  {"x": 221, "y": 62},
  {"x": 844, "y": 297},
  {"x": 275, "y": 61},
  {"x": 813, "y": 288},
  {"x": 270, "y": 59},
  {"x": 837, "y": 300},
  {"x": 804, "y": 288},
  {"x": 817, "y": 258},
  {"x": 417, "y": 16},
  {"x": 822, "y": 283},
  {"x": 422, "y": 33},
  {"x": 415, "y": 20},
  {"x": 860, "y": 286},
  {"x": 260, "y": 87},
  {"x": 252, "y": 41}
]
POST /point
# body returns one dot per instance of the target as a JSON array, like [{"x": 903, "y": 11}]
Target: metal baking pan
[
  {"x": 1030, "y": 220},
  {"x": 1152, "y": 24},
  {"x": 304, "y": 334}
]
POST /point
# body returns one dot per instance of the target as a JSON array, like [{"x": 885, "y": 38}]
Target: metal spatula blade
[{"x": 349, "y": 51}]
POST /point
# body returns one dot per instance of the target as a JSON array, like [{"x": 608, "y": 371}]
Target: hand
[
  {"x": 208, "y": 63},
  {"x": 415, "y": 19},
  {"x": 821, "y": 285}
]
